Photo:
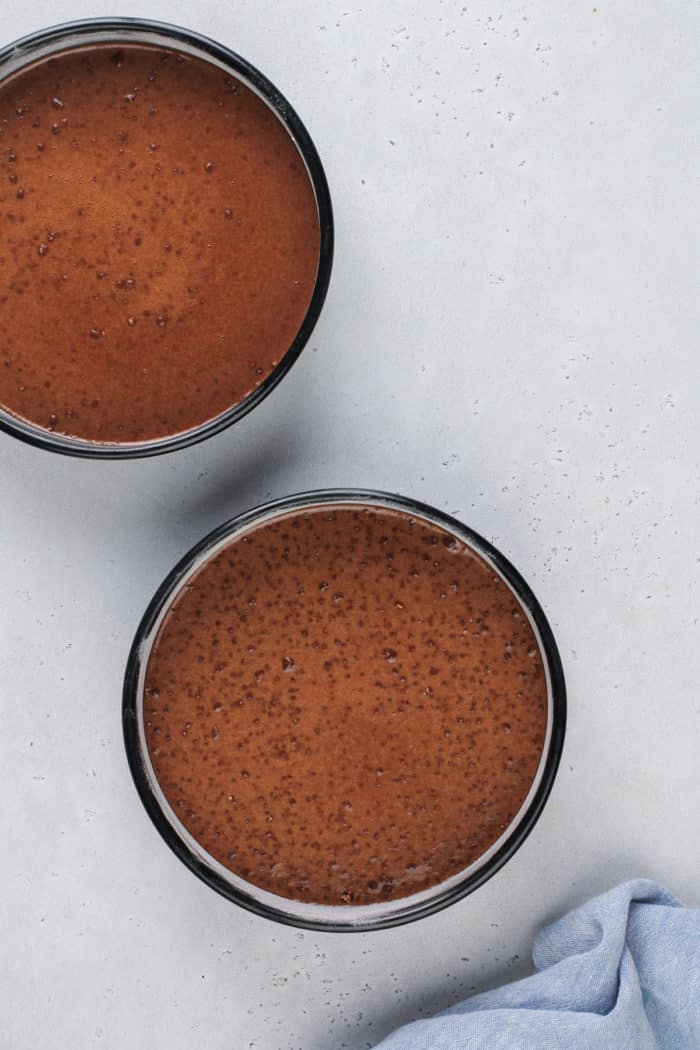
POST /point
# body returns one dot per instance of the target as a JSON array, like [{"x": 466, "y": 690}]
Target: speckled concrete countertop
[{"x": 511, "y": 334}]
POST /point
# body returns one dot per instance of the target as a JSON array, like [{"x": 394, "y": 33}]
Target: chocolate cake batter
[
  {"x": 159, "y": 243},
  {"x": 345, "y": 705}
]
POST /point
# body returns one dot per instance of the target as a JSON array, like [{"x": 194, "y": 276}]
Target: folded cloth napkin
[{"x": 621, "y": 972}]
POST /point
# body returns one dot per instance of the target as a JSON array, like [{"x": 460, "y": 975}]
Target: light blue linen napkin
[{"x": 622, "y": 972}]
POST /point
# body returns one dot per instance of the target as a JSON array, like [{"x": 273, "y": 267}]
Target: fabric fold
[{"x": 621, "y": 972}]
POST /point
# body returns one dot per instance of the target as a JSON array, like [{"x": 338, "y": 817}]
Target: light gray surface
[{"x": 511, "y": 334}]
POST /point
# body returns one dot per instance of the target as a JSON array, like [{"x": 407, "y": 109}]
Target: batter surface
[
  {"x": 159, "y": 243},
  {"x": 345, "y": 705}
]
